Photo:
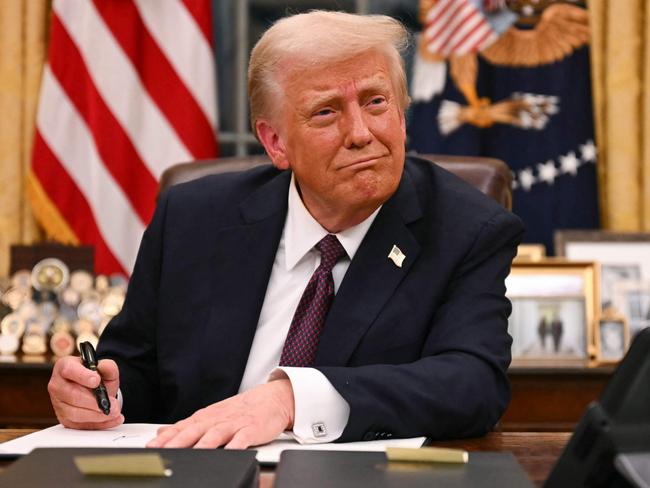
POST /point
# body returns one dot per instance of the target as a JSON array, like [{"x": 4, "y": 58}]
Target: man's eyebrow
[
  {"x": 374, "y": 86},
  {"x": 320, "y": 99}
]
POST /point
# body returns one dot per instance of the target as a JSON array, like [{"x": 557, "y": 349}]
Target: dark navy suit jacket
[{"x": 420, "y": 349}]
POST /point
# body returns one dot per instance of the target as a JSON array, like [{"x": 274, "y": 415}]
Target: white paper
[
  {"x": 270, "y": 453},
  {"x": 137, "y": 435},
  {"x": 125, "y": 435}
]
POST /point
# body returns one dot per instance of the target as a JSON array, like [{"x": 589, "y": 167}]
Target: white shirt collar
[{"x": 302, "y": 232}]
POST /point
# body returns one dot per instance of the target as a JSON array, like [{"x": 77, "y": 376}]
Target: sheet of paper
[
  {"x": 137, "y": 435},
  {"x": 270, "y": 453},
  {"x": 126, "y": 435}
]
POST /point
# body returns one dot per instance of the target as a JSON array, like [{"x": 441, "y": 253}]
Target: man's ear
[{"x": 273, "y": 143}]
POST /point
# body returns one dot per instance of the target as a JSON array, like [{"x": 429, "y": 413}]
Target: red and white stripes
[
  {"x": 129, "y": 89},
  {"x": 456, "y": 27}
]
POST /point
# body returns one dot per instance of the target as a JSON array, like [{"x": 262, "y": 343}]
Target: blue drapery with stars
[{"x": 554, "y": 167}]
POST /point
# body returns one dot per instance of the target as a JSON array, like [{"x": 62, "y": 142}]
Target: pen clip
[{"x": 88, "y": 355}]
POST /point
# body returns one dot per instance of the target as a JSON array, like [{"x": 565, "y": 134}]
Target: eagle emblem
[{"x": 516, "y": 33}]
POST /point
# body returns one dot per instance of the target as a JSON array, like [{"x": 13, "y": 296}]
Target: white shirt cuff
[{"x": 321, "y": 413}]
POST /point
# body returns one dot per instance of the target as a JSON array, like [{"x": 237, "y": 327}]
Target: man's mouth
[{"x": 362, "y": 162}]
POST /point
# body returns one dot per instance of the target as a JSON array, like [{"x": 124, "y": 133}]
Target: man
[{"x": 415, "y": 341}]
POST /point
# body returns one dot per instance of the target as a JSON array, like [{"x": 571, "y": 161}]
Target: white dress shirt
[{"x": 321, "y": 414}]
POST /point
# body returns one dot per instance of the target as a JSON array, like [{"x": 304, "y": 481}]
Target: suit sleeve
[
  {"x": 458, "y": 387},
  {"x": 130, "y": 338}
]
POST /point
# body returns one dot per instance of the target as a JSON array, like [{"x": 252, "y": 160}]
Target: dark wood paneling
[
  {"x": 75, "y": 257},
  {"x": 552, "y": 399},
  {"x": 24, "y": 401}
]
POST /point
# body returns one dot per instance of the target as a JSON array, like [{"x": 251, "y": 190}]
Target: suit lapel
[
  {"x": 244, "y": 256},
  {"x": 371, "y": 278}
]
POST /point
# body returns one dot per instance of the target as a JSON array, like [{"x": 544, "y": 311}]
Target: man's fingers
[
  {"x": 108, "y": 370},
  {"x": 71, "y": 369},
  {"x": 178, "y": 426},
  {"x": 110, "y": 375},
  {"x": 215, "y": 436},
  {"x": 188, "y": 436},
  {"x": 80, "y": 415},
  {"x": 251, "y": 418},
  {"x": 164, "y": 429},
  {"x": 73, "y": 394},
  {"x": 71, "y": 391},
  {"x": 168, "y": 432},
  {"x": 164, "y": 435},
  {"x": 242, "y": 439},
  {"x": 94, "y": 425}
]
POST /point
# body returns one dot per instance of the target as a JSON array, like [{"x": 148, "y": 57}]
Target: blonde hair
[{"x": 321, "y": 37}]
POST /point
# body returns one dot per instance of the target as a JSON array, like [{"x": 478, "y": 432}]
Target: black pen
[{"x": 89, "y": 359}]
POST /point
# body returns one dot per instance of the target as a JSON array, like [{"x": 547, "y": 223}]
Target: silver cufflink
[{"x": 319, "y": 429}]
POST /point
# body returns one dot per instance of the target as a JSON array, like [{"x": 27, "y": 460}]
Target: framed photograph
[
  {"x": 632, "y": 301},
  {"x": 554, "y": 306},
  {"x": 625, "y": 268},
  {"x": 612, "y": 338},
  {"x": 530, "y": 252}
]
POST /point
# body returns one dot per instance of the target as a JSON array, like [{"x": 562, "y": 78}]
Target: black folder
[
  {"x": 191, "y": 468},
  {"x": 340, "y": 469}
]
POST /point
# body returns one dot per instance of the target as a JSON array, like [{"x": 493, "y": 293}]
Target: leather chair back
[{"x": 491, "y": 176}]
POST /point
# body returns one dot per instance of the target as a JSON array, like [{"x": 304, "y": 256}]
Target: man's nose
[{"x": 357, "y": 133}]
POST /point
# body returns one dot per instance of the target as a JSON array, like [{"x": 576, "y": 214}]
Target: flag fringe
[{"x": 46, "y": 213}]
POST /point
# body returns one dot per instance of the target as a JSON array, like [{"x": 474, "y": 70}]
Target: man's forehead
[{"x": 305, "y": 86}]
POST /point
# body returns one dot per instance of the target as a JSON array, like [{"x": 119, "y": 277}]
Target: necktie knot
[{"x": 330, "y": 250}]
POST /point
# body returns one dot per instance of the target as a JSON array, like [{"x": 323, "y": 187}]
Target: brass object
[{"x": 50, "y": 275}]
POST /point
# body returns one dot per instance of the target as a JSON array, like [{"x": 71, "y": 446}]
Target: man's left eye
[
  {"x": 377, "y": 101},
  {"x": 324, "y": 111}
]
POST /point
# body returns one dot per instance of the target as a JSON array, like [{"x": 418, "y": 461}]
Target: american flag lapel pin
[{"x": 396, "y": 256}]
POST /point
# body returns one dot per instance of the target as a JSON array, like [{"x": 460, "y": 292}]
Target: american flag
[
  {"x": 492, "y": 5},
  {"x": 128, "y": 89},
  {"x": 456, "y": 27}
]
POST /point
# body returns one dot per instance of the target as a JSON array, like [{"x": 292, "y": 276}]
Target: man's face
[{"x": 341, "y": 130}]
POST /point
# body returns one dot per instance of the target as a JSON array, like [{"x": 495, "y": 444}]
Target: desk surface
[{"x": 535, "y": 451}]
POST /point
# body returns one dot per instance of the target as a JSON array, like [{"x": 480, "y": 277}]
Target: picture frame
[
  {"x": 530, "y": 252},
  {"x": 612, "y": 336},
  {"x": 632, "y": 301},
  {"x": 554, "y": 308},
  {"x": 624, "y": 259}
]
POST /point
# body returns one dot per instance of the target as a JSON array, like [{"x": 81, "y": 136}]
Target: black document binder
[
  {"x": 342, "y": 469},
  {"x": 192, "y": 468}
]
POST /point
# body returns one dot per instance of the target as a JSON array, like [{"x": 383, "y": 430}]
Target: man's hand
[
  {"x": 72, "y": 397},
  {"x": 254, "y": 417}
]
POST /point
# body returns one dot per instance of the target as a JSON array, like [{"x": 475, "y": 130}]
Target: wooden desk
[{"x": 535, "y": 451}]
